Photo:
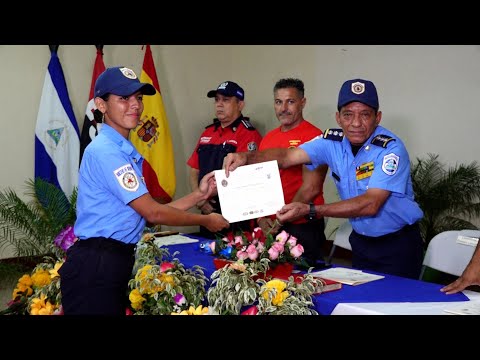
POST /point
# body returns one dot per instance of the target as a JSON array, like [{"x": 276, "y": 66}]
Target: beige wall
[{"x": 428, "y": 94}]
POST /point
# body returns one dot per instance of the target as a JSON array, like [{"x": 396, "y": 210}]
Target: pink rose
[
  {"x": 297, "y": 251},
  {"x": 292, "y": 241},
  {"x": 273, "y": 254},
  {"x": 282, "y": 237},
  {"x": 238, "y": 240},
  {"x": 252, "y": 252},
  {"x": 242, "y": 255},
  {"x": 260, "y": 247},
  {"x": 166, "y": 266},
  {"x": 279, "y": 247}
]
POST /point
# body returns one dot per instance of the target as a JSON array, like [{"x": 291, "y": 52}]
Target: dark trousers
[
  {"x": 399, "y": 253},
  {"x": 312, "y": 237},
  {"x": 94, "y": 278}
]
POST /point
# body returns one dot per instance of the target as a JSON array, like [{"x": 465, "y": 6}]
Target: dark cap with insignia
[
  {"x": 121, "y": 81},
  {"x": 228, "y": 88},
  {"x": 360, "y": 90}
]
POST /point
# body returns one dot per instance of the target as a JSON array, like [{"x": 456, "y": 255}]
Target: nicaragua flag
[{"x": 57, "y": 140}]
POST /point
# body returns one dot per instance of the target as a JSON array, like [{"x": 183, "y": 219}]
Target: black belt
[{"x": 103, "y": 243}]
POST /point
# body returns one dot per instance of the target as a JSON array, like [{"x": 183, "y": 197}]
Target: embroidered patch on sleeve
[
  {"x": 127, "y": 178},
  {"x": 252, "y": 146},
  {"x": 390, "y": 164}
]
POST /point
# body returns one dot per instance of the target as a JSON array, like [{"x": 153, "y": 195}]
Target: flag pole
[{"x": 53, "y": 48}]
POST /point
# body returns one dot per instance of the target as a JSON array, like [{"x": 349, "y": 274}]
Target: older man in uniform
[
  {"x": 371, "y": 169},
  {"x": 229, "y": 132}
]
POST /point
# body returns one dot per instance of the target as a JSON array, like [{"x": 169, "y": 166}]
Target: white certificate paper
[{"x": 250, "y": 191}]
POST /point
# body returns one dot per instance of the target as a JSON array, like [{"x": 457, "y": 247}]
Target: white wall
[{"x": 428, "y": 94}]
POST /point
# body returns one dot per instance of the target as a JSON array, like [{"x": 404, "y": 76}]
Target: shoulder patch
[
  {"x": 382, "y": 140},
  {"x": 333, "y": 134},
  {"x": 390, "y": 164},
  {"x": 127, "y": 178},
  {"x": 248, "y": 125}
]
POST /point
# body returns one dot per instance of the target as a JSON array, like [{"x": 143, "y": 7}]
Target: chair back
[
  {"x": 341, "y": 239},
  {"x": 447, "y": 253}
]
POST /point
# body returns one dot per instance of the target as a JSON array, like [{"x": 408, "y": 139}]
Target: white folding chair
[
  {"x": 341, "y": 239},
  {"x": 447, "y": 253}
]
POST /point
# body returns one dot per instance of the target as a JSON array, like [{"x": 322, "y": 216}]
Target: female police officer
[
  {"x": 371, "y": 169},
  {"x": 113, "y": 203}
]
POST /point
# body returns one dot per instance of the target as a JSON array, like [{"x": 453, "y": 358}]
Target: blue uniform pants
[
  {"x": 399, "y": 253},
  {"x": 94, "y": 278}
]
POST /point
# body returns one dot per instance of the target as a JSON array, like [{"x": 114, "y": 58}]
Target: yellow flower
[
  {"x": 280, "y": 295},
  {"x": 40, "y": 307},
  {"x": 20, "y": 290},
  {"x": 136, "y": 299},
  {"x": 192, "y": 311},
  {"x": 26, "y": 280},
  {"x": 184, "y": 312},
  {"x": 143, "y": 272},
  {"x": 54, "y": 272},
  {"x": 41, "y": 278},
  {"x": 198, "y": 311}
]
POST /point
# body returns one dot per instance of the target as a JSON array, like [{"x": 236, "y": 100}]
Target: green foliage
[
  {"x": 239, "y": 285},
  {"x": 30, "y": 227},
  {"x": 448, "y": 197},
  {"x": 161, "y": 284}
]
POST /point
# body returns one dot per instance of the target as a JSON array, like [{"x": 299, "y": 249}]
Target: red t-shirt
[{"x": 292, "y": 176}]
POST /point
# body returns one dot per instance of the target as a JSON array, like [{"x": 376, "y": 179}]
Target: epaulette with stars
[
  {"x": 382, "y": 140},
  {"x": 333, "y": 134}
]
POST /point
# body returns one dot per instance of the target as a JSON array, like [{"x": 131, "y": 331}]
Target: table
[{"x": 390, "y": 295}]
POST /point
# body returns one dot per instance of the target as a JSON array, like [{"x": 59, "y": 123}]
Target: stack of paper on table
[
  {"x": 347, "y": 276},
  {"x": 173, "y": 240}
]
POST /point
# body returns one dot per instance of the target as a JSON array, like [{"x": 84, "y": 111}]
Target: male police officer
[{"x": 371, "y": 169}]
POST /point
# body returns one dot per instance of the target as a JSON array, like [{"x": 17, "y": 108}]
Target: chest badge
[{"x": 363, "y": 171}]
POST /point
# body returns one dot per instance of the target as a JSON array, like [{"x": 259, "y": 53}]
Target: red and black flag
[{"x": 93, "y": 119}]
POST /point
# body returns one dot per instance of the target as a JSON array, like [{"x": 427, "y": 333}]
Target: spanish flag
[{"x": 152, "y": 138}]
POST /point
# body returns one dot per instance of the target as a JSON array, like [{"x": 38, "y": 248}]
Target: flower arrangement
[
  {"x": 252, "y": 247},
  {"x": 161, "y": 284},
  {"x": 237, "y": 285},
  {"x": 39, "y": 292}
]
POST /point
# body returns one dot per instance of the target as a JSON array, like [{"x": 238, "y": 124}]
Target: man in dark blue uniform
[{"x": 371, "y": 169}]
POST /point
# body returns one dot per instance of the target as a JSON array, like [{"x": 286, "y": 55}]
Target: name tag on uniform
[{"x": 363, "y": 171}]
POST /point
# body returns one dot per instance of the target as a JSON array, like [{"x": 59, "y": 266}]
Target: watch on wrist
[{"x": 312, "y": 214}]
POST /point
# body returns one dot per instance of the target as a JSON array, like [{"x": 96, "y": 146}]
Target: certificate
[{"x": 250, "y": 191}]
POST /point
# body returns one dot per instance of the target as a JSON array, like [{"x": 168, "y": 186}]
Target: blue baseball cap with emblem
[
  {"x": 360, "y": 90},
  {"x": 228, "y": 88},
  {"x": 121, "y": 81}
]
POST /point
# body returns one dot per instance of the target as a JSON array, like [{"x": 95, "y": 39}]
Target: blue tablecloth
[{"x": 389, "y": 289}]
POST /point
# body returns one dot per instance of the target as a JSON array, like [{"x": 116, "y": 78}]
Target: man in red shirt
[
  {"x": 230, "y": 132},
  {"x": 298, "y": 183}
]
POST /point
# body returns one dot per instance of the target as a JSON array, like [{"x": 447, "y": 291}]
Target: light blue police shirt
[
  {"x": 378, "y": 164},
  {"x": 110, "y": 177}
]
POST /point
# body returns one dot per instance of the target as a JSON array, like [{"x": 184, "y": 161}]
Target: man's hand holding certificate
[{"x": 251, "y": 191}]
